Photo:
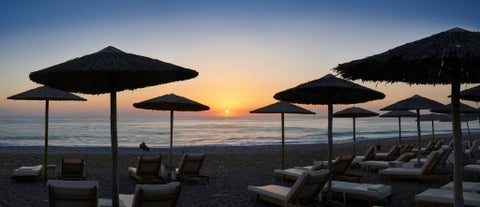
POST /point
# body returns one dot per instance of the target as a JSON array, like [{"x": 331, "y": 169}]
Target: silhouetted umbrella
[
  {"x": 432, "y": 118},
  {"x": 283, "y": 108},
  {"x": 329, "y": 90},
  {"x": 465, "y": 109},
  {"x": 171, "y": 102},
  {"x": 399, "y": 114},
  {"x": 471, "y": 94},
  {"x": 450, "y": 57},
  {"x": 415, "y": 102},
  {"x": 354, "y": 112},
  {"x": 45, "y": 93},
  {"x": 110, "y": 71},
  {"x": 463, "y": 118}
]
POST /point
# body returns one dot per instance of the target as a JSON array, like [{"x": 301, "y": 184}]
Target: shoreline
[{"x": 230, "y": 168}]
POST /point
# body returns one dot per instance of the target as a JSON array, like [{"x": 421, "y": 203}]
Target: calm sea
[{"x": 199, "y": 131}]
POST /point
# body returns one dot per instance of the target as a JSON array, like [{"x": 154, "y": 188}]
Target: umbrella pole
[
  {"x": 113, "y": 134},
  {"x": 457, "y": 136},
  {"x": 419, "y": 135},
  {"x": 171, "y": 138},
  {"x": 283, "y": 141},
  {"x": 469, "y": 135},
  {"x": 433, "y": 132},
  {"x": 354, "y": 138},
  {"x": 399, "y": 130},
  {"x": 45, "y": 159},
  {"x": 330, "y": 151}
]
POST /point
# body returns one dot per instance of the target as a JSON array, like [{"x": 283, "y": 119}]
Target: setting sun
[{"x": 227, "y": 111}]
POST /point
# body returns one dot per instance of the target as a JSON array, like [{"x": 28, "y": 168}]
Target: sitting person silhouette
[{"x": 143, "y": 146}]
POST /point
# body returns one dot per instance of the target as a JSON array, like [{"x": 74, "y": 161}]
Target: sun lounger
[
  {"x": 151, "y": 195},
  {"x": 473, "y": 187},
  {"x": 294, "y": 173},
  {"x": 472, "y": 152},
  {"x": 473, "y": 168},
  {"x": 147, "y": 169},
  {"x": 443, "y": 197},
  {"x": 72, "y": 169},
  {"x": 361, "y": 191},
  {"x": 392, "y": 154},
  {"x": 369, "y": 155},
  {"x": 190, "y": 166},
  {"x": 424, "y": 172},
  {"x": 304, "y": 191},
  {"x": 378, "y": 165},
  {"x": 427, "y": 149},
  {"x": 27, "y": 172},
  {"x": 63, "y": 193}
]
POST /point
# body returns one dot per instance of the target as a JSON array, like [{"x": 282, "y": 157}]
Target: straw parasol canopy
[
  {"x": 450, "y": 57},
  {"x": 417, "y": 103},
  {"x": 171, "y": 102},
  {"x": 399, "y": 114},
  {"x": 354, "y": 112},
  {"x": 465, "y": 109},
  {"x": 432, "y": 118},
  {"x": 45, "y": 93},
  {"x": 471, "y": 94},
  {"x": 329, "y": 90},
  {"x": 283, "y": 108},
  {"x": 109, "y": 71}
]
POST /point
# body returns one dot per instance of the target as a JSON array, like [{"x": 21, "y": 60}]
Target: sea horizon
[{"x": 207, "y": 131}]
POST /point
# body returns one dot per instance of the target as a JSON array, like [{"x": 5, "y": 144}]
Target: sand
[{"x": 231, "y": 169}]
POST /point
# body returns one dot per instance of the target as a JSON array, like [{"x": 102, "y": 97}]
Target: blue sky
[{"x": 245, "y": 51}]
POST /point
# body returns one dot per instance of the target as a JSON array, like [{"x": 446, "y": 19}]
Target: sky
[{"x": 245, "y": 51}]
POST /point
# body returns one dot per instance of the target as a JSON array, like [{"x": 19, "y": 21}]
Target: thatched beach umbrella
[
  {"x": 329, "y": 90},
  {"x": 354, "y": 112},
  {"x": 171, "y": 102},
  {"x": 283, "y": 108},
  {"x": 464, "y": 109},
  {"x": 432, "y": 118},
  {"x": 399, "y": 114},
  {"x": 45, "y": 93},
  {"x": 463, "y": 118},
  {"x": 417, "y": 103},
  {"x": 471, "y": 94},
  {"x": 450, "y": 57},
  {"x": 110, "y": 71}
]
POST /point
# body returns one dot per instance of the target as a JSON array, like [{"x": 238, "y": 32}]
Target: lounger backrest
[
  {"x": 63, "y": 193},
  {"x": 307, "y": 186},
  {"x": 342, "y": 164},
  {"x": 156, "y": 195},
  {"x": 191, "y": 163},
  {"x": 394, "y": 151},
  {"x": 431, "y": 162},
  {"x": 445, "y": 152},
  {"x": 73, "y": 168},
  {"x": 149, "y": 165},
  {"x": 439, "y": 144},
  {"x": 370, "y": 153},
  {"x": 430, "y": 146},
  {"x": 474, "y": 147},
  {"x": 405, "y": 157}
]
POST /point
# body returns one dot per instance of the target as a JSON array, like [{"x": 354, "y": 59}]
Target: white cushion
[
  {"x": 400, "y": 171},
  {"x": 472, "y": 168},
  {"x": 292, "y": 172},
  {"x": 378, "y": 191},
  {"x": 27, "y": 171},
  {"x": 446, "y": 196},
  {"x": 274, "y": 191},
  {"x": 466, "y": 186}
]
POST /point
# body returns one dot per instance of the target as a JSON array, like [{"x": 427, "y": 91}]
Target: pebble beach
[{"x": 230, "y": 168}]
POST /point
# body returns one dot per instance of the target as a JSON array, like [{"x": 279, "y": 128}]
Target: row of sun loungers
[
  {"x": 150, "y": 169},
  {"x": 70, "y": 169},
  {"x": 85, "y": 193}
]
